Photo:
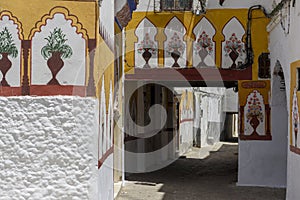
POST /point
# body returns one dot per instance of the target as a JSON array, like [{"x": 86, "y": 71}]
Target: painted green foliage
[
  {"x": 56, "y": 42},
  {"x": 7, "y": 44}
]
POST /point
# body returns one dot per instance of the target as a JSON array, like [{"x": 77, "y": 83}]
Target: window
[
  {"x": 264, "y": 66},
  {"x": 176, "y": 5}
]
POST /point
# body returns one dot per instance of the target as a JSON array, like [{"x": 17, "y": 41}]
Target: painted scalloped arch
[
  {"x": 255, "y": 105},
  {"x": 15, "y": 20},
  {"x": 175, "y": 28},
  {"x": 68, "y": 16},
  {"x": 146, "y": 32},
  {"x": 73, "y": 71},
  {"x": 204, "y": 58},
  {"x": 233, "y": 26}
]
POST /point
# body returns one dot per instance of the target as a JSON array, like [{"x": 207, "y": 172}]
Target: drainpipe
[{"x": 249, "y": 49}]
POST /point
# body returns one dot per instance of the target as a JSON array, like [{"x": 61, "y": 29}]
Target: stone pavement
[{"x": 208, "y": 173}]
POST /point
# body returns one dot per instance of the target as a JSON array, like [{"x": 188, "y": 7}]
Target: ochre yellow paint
[
  {"x": 30, "y": 12},
  {"x": 31, "y": 15},
  {"x": 244, "y": 92},
  {"x": 218, "y": 17}
]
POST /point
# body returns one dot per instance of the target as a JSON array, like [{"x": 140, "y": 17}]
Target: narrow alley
[{"x": 209, "y": 173}]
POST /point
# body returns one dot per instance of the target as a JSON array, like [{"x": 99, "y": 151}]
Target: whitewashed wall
[
  {"x": 285, "y": 49},
  {"x": 106, "y": 180},
  {"x": 213, "y": 117},
  {"x": 107, "y": 14},
  {"x": 231, "y": 101},
  {"x": 48, "y": 148},
  {"x": 186, "y": 123},
  {"x": 264, "y": 163}
]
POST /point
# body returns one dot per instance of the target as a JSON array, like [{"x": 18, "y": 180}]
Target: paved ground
[{"x": 197, "y": 177}]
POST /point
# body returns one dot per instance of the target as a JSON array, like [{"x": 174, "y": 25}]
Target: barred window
[{"x": 176, "y": 5}]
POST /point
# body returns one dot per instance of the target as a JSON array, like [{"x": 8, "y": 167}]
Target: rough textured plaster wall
[{"x": 48, "y": 148}]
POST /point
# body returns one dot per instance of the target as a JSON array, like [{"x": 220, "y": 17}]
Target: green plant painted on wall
[
  {"x": 7, "y": 44},
  {"x": 56, "y": 42},
  {"x": 55, "y": 51},
  {"x": 7, "y": 48}
]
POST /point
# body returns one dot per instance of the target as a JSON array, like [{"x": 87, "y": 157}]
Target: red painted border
[
  {"x": 294, "y": 149},
  {"x": 186, "y": 120},
  {"x": 190, "y": 74},
  {"x": 105, "y": 156},
  {"x": 268, "y": 135},
  {"x": 50, "y": 90},
  {"x": 10, "y": 91},
  {"x": 255, "y": 137}
]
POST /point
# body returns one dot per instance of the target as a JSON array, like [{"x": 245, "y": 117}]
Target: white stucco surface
[
  {"x": 285, "y": 49},
  {"x": 48, "y": 148},
  {"x": 231, "y": 101},
  {"x": 106, "y": 180}
]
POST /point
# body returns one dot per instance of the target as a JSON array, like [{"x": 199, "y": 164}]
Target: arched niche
[
  {"x": 233, "y": 48},
  {"x": 175, "y": 32},
  {"x": 146, "y": 32},
  {"x": 204, "y": 46},
  {"x": 8, "y": 26},
  {"x": 73, "y": 71}
]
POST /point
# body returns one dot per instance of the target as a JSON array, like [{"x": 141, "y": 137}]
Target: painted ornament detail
[
  {"x": 254, "y": 111},
  {"x": 147, "y": 48},
  {"x": 7, "y": 48},
  {"x": 233, "y": 48},
  {"x": 204, "y": 47},
  {"x": 295, "y": 117},
  {"x": 175, "y": 48},
  {"x": 55, "y": 51}
]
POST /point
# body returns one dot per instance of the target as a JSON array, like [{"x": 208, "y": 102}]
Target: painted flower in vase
[
  {"x": 7, "y": 48},
  {"x": 254, "y": 108},
  {"x": 175, "y": 45},
  {"x": 204, "y": 42},
  {"x": 233, "y": 44},
  {"x": 147, "y": 44}
]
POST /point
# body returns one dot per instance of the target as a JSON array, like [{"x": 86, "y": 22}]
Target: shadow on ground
[{"x": 211, "y": 178}]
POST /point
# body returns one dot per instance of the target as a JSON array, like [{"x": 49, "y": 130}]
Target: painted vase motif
[
  {"x": 202, "y": 54},
  {"x": 233, "y": 48},
  {"x": 147, "y": 55},
  {"x": 254, "y": 122},
  {"x": 175, "y": 55},
  {"x": 5, "y": 65},
  {"x": 204, "y": 47},
  {"x": 55, "y": 64},
  {"x": 147, "y": 48},
  {"x": 233, "y": 55}
]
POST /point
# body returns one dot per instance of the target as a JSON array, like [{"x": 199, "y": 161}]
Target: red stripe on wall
[
  {"x": 186, "y": 120},
  {"x": 10, "y": 91},
  {"x": 50, "y": 90},
  {"x": 105, "y": 156}
]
